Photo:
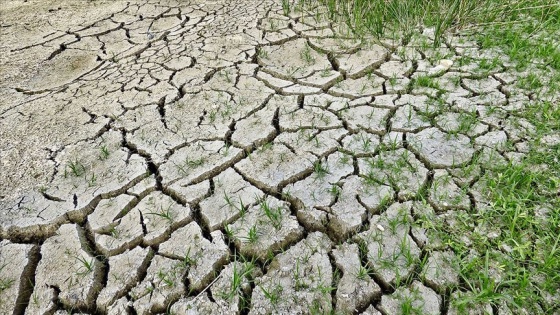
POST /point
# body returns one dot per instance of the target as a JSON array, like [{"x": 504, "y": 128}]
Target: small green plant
[
  {"x": 252, "y": 234},
  {"x": 363, "y": 273},
  {"x": 274, "y": 214},
  {"x": 188, "y": 260},
  {"x": 114, "y": 232},
  {"x": 228, "y": 200},
  {"x": 531, "y": 82},
  {"x": 189, "y": 164},
  {"x": 86, "y": 266},
  {"x": 262, "y": 53},
  {"x": 326, "y": 73},
  {"x": 320, "y": 169},
  {"x": 35, "y": 298},
  {"x": 299, "y": 282},
  {"x": 407, "y": 307},
  {"x": 392, "y": 81},
  {"x": 266, "y": 146},
  {"x": 164, "y": 212},
  {"x": 212, "y": 115},
  {"x": 75, "y": 168},
  {"x": 166, "y": 278},
  {"x": 306, "y": 55},
  {"x": 286, "y": 7},
  {"x": 272, "y": 294},
  {"x": 92, "y": 180},
  {"x": 6, "y": 284},
  {"x": 426, "y": 81},
  {"x": 335, "y": 191},
  {"x": 229, "y": 233},
  {"x": 345, "y": 160},
  {"x": 104, "y": 154}
]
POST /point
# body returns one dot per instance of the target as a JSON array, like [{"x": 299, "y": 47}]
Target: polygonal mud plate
[
  {"x": 232, "y": 195},
  {"x": 265, "y": 228},
  {"x": 296, "y": 286},
  {"x": 124, "y": 272},
  {"x": 225, "y": 295},
  {"x": 66, "y": 270},
  {"x": 365, "y": 59},
  {"x": 198, "y": 161},
  {"x": 273, "y": 165},
  {"x": 294, "y": 59},
  {"x": 355, "y": 289},
  {"x": 391, "y": 253},
  {"x": 398, "y": 168},
  {"x": 417, "y": 298},
  {"x": 162, "y": 284},
  {"x": 441, "y": 149},
  {"x": 201, "y": 256},
  {"x": 99, "y": 167},
  {"x": 441, "y": 272},
  {"x": 445, "y": 194}
]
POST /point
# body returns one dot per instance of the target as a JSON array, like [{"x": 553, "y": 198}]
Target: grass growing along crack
[
  {"x": 320, "y": 168},
  {"x": 517, "y": 268},
  {"x": 86, "y": 266}
]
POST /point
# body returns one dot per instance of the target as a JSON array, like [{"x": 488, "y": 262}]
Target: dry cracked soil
[{"x": 222, "y": 157}]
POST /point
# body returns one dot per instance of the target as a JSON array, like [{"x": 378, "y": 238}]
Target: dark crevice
[
  {"x": 229, "y": 133},
  {"x": 144, "y": 228},
  {"x": 276, "y": 120},
  {"x": 101, "y": 262},
  {"x": 337, "y": 275},
  {"x": 52, "y": 198},
  {"x": 92, "y": 116},
  {"x": 300, "y": 100},
  {"x": 60, "y": 49},
  {"x": 27, "y": 281},
  {"x": 210, "y": 74},
  {"x": 445, "y": 302},
  {"x": 197, "y": 216},
  {"x": 161, "y": 110}
]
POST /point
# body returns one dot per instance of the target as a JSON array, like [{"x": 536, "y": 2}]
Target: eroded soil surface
[{"x": 220, "y": 157}]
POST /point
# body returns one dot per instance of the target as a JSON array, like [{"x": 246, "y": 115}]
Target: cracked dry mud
[{"x": 219, "y": 157}]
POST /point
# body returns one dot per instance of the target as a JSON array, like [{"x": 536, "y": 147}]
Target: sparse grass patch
[
  {"x": 74, "y": 168},
  {"x": 522, "y": 28},
  {"x": 520, "y": 266},
  {"x": 320, "y": 169},
  {"x": 517, "y": 262},
  {"x": 426, "y": 81},
  {"x": 274, "y": 214}
]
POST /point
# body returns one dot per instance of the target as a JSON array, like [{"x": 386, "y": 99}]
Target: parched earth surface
[{"x": 223, "y": 157}]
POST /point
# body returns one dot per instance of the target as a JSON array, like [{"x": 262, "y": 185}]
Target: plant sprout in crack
[
  {"x": 86, "y": 266},
  {"x": 320, "y": 169}
]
